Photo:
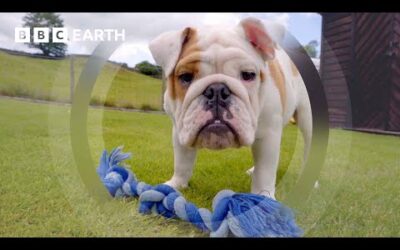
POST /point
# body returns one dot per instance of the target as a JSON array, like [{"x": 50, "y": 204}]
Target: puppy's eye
[
  {"x": 186, "y": 78},
  {"x": 248, "y": 76}
]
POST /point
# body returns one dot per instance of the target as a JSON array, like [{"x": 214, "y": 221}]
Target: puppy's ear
[
  {"x": 167, "y": 47},
  {"x": 258, "y": 36}
]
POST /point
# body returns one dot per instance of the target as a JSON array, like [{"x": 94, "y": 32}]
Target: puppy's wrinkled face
[{"x": 213, "y": 80}]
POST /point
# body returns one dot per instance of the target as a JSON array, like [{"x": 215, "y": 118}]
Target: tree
[
  {"x": 149, "y": 69},
  {"x": 48, "y": 20},
  {"x": 311, "y": 48}
]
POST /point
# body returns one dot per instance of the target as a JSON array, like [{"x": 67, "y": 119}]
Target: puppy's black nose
[{"x": 218, "y": 92}]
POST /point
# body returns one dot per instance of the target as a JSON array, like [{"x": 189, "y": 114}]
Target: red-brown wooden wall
[{"x": 360, "y": 70}]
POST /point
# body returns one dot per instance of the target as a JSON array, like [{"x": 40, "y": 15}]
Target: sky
[{"x": 141, "y": 28}]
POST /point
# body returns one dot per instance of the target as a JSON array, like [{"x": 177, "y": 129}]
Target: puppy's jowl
[{"x": 230, "y": 87}]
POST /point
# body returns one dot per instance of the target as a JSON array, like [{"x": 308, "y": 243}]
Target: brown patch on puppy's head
[
  {"x": 279, "y": 79},
  {"x": 188, "y": 63}
]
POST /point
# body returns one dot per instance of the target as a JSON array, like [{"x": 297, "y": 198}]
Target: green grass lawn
[
  {"x": 41, "y": 193},
  {"x": 50, "y": 80}
]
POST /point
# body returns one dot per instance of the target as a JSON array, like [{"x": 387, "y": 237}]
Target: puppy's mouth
[
  {"x": 216, "y": 133},
  {"x": 217, "y": 126}
]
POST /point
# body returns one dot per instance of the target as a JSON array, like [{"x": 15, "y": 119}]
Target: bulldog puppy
[{"x": 230, "y": 87}]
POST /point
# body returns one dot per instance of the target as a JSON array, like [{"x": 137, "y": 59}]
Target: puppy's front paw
[
  {"x": 268, "y": 194},
  {"x": 176, "y": 184},
  {"x": 264, "y": 192}
]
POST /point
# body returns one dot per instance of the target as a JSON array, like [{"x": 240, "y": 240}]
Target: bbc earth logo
[{"x": 63, "y": 35}]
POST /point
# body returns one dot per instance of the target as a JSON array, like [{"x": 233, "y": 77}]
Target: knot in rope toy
[{"x": 237, "y": 214}]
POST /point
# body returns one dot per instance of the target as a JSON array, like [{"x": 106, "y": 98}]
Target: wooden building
[{"x": 360, "y": 70}]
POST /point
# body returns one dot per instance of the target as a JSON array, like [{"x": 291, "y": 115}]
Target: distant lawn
[
  {"x": 50, "y": 80},
  {"x": 41, "y": 193}
]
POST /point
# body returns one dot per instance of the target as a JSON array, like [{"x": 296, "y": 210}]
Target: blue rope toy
[{"x": 237, "y": 214}]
